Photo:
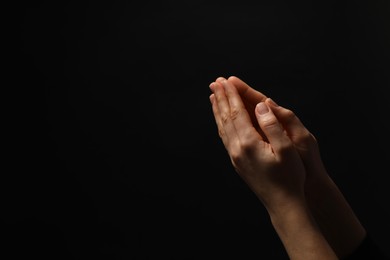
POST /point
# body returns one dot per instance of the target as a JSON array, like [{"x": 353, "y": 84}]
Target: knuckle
[
  {"x": 247, "y": 146},
  {"x": 290, "y": 115},
  {"x": 224, "y": 118},
  {"x": 244, "y": 150},
  {"x": 235, "y": 112},
  {"x": 236, "y": 157},
  {"x": 269, "y": 122},
  {"x": 307, "y": 139},
  {"x": 221, "y": 133},
  {"x": 219, "y": 98}
]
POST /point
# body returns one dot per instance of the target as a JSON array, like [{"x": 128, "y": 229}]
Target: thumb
[
  {"x": 271, "y": 127},
  {"x": 290, "y": 122},
  {"x": 303, "y": 140}
]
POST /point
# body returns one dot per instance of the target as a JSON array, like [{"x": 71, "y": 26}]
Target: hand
[
  {"x": 250, "y": 98},
  {"x": 302, "y": 139},
  {"x": 331, "y": 210},
  {"x": 272, "y": 168}
]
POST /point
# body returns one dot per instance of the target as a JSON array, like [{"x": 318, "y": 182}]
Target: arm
[
  {"x": 272, "y": 169},
  {"x": 300, "y": 234},
  {"x": 329, "y": 207},
  {"x": 327, "y": 204}
]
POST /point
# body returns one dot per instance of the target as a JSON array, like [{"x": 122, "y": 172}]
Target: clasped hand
[
  {"x": 262, "y": 154},
  {"x": 279, "y": 159}
]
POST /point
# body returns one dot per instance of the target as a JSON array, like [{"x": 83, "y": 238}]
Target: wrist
[
  {"x": 282, "y": 210},
  {"x": 334, "y": 216},
  {"x": 299, "y": 232},
  {"x": 282, "y": 202}
]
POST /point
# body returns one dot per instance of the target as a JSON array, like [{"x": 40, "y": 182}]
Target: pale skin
[
  {"x": 280, "y": 161},
  {"x": 337, "y": 221}
]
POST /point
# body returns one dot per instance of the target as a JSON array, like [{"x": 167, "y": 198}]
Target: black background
[{"x": 118, "y": 155}]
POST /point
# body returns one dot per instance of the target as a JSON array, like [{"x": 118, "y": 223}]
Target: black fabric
[
  {"x": 115, "y": 150},
  {"x": 368, "y": 249}
]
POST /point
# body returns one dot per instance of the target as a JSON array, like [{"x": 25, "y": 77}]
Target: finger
[
  {"x": 250, "y": 97},
  {"x": 290, "y": 122},
  {"x": 227, "y": 130},
  {"x": 302, "y": 139},
  {"x": 272, "y": 129},
  {"x": 217, "y": 119},
  {"x": 246, "y": 92},
  {"x": 239, "y": 115},
  {"x": 220, "y": 79}
]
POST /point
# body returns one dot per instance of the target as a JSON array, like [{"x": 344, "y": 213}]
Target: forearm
[
  {"x": 299, "y": 233},
  {"x": 334, "y": 216}
]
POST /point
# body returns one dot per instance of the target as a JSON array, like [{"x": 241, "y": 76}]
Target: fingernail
[
  {"x": 272, "y": 102},
  {"x": 211, "y": 86},
  {"x": 262, "y": 108}
]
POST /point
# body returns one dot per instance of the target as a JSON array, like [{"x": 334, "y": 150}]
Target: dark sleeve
[{"x": 368, "y": 250}]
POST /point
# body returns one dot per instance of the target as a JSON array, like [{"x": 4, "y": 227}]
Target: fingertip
[
  {"x": 271, "y": 102},
  {"x": 217, "y": 84},
  {"x": 262, "y": 108},
  {"x": 220, "y": 79},
  {"x": 211, "y": 97},
  {"x": 233, "y": 78}
]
